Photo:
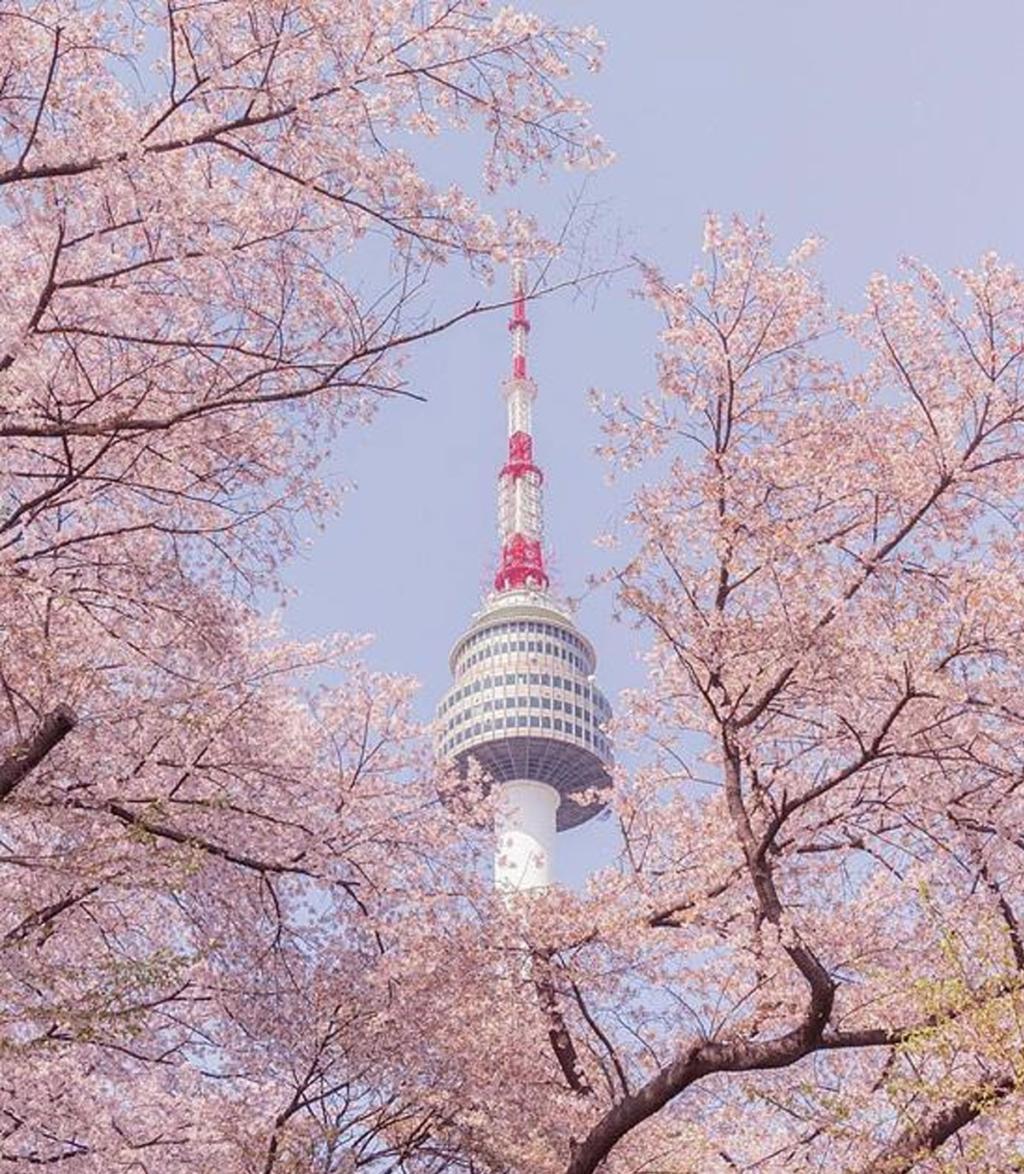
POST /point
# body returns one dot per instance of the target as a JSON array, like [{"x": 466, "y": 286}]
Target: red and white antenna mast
[{"x": 520, "y": 507}]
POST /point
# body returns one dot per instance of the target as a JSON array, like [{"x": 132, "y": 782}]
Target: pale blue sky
[{"x": 887, "y": 127}]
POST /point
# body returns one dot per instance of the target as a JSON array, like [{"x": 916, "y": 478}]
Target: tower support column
[{"x": 525, "y": 827}]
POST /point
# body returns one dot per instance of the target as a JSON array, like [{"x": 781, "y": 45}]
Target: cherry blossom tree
[
  {"x": 216, "y": 221},
  {"x": 812, "y": 955},
  {"x": 238, "y": 929}
]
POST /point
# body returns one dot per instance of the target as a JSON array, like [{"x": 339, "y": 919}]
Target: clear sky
[{"x": 890, "y": 127}]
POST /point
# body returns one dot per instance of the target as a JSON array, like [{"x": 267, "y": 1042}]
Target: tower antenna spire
[
  {"x": 520, "y": 503},
  {"x": 519, "y": 324}
]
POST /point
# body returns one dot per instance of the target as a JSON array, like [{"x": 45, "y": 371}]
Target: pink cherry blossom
[
  {"x": 812, "y": 957},
  {"x": 216, "y": 923}
]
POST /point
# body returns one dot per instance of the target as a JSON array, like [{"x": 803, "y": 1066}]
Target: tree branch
[
  {"x": 924, "y": 1138},
  {"x": 558, "y": 1033},
  {"x": 30, "y": 752},
  {"x": 163, "y": 831},
  {"x": 44, "y": 916},
  {"x": 54, "y": 56}
]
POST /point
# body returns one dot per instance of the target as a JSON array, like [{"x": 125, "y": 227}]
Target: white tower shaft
[{"x": 525, "y": 827}]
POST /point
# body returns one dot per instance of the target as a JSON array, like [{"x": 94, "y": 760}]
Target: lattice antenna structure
[
  {"x": 520, "y": 503},
  {"x": 523, "y": 703}
]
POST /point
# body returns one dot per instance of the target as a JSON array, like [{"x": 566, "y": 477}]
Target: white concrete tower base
[{"x": 525, "y": 827}]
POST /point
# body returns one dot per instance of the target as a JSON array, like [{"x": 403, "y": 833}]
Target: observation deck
[{"x": 524, "y": 703}]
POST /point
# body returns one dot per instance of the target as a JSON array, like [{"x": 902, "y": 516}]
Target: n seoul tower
[{"x": 523, "y": 702}]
